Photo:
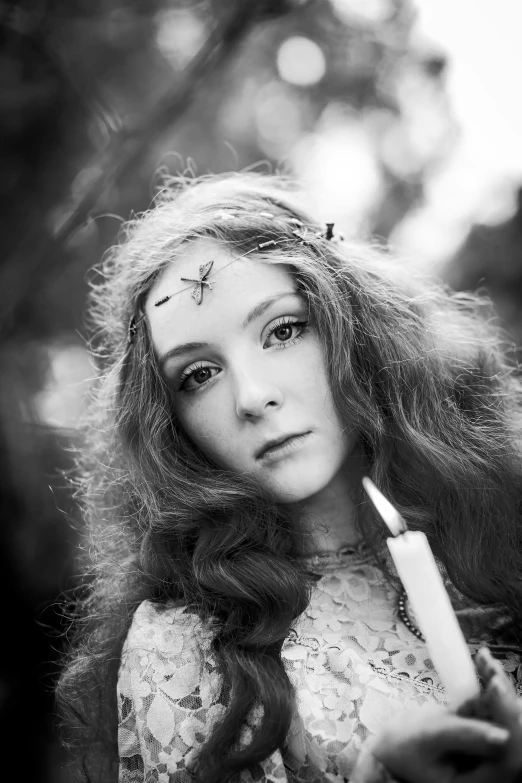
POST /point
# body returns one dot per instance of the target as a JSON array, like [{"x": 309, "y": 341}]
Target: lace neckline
[{"x": 350, "y": 554}]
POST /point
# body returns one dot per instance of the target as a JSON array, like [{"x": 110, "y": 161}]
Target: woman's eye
[
  {"x": 284, "y": 333},
  {"x": 200, "y": 376},
  {"x": 197, "y": 377},
  {"x": 287, "y": 331}
]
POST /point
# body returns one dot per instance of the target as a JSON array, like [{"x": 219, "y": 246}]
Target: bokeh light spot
[
  {"x": 62, "y": 401},
  {"x": 301, "y": 61},
  {"x": 278, "y": 118},
  {"x": 179, "y": 35},
  {"x": 363, "y": 11},
  {"x": 338, "y": 167}
]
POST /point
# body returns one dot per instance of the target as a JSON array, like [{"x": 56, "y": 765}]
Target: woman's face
[{"x": 245, "y": 370}]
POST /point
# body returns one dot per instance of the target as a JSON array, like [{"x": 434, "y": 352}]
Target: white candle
[{"x": 430, "y": 602}]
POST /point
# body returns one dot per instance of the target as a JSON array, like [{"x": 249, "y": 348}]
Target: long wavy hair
[{"x": 424, "y": 371}]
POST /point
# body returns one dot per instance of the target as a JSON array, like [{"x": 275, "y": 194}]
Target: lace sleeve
[{"x": 168, "y": 700}]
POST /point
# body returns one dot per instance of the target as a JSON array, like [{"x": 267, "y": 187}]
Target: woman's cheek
[{"x": 205, "y": 425}]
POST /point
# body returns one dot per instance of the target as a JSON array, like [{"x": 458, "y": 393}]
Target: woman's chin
[{"x": 295, "y": 488}]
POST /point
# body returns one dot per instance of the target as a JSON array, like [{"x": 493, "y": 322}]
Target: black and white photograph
[{"x": 261, "y": 391}]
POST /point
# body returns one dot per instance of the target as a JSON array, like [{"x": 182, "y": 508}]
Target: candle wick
[{"x": 402, "y": 527}]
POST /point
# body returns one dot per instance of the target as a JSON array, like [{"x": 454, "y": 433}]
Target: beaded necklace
[{"x": 405, "y": 617}]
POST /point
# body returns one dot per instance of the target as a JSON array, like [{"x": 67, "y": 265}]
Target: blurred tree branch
[
  {"x": 129, "y": 144},
  {"x": 40, "y": 254}
]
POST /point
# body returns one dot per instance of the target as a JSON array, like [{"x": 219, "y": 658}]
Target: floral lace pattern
[{"x": 353, "y": 664}]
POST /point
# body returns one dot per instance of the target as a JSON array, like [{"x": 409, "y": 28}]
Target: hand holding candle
[{"x": 423, "y": 583}]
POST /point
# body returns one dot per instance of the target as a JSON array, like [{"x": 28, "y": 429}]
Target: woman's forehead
[
  {"x": 186, "y": 263},
  {"x": 200, "y": 252},
  {"x": 234, "y": 288}
]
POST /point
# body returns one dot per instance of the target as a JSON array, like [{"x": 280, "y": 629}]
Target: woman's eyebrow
[
  {"x": 260, "y": 308},
  {"x": 179, "y": 350},
  {"x": 256, "y": 311}
]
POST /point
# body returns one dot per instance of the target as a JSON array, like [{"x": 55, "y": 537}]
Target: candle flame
[{"x": 389, "y": 514}]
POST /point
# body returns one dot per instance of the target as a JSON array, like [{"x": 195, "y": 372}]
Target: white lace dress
[{"x": 354, "y": 665}]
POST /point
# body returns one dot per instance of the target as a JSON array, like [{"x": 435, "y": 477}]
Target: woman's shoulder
[
  {"x": 166, "y": 628},
  {"x": 168, "y": 649},
  {"x": 168, "y": 690}
]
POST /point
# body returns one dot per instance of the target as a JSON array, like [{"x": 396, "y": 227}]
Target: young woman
[{"x": 243, "y": 621}]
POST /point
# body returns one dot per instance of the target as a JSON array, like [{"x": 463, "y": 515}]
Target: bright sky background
[
  {"x": 477, "y": 180},
  {"x": 481, "y": 40}
]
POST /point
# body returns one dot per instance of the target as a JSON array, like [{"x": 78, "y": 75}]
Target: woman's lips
[{"x": 287, "y": 446}]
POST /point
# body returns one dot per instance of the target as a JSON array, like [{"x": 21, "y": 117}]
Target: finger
[
  {"x": 477, "y": 707},
  {"x": 467, "y": 735},
  {"x": 506, "y": 709},
  {"x": 469, "y": 708},
  {"x": 486, "y": 665},
  {"x": 505, "y": 706}
]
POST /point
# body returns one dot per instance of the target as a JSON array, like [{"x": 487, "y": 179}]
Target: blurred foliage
[
  {"x": 94, "y": 96},
  {"x": 91, "y": 104},
  {"x": 491, "y": 258}
]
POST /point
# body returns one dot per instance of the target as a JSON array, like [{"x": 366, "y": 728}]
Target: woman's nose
[{"x": 255, "y": 394}]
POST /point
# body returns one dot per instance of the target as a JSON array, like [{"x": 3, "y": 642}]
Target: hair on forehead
[{"x": 215, "y": 207}]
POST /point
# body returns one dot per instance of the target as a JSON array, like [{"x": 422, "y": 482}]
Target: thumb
[
  {"x": 467, "y": 735},
  {"x": 504, "y": 703}
]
